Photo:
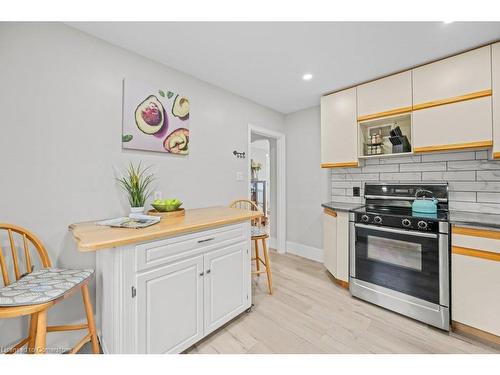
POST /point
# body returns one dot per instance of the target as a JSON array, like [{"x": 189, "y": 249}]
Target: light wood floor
[{"x": 308, "y": 313}]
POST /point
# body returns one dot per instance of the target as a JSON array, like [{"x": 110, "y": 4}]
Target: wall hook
[{"x": 239, "y": 155}]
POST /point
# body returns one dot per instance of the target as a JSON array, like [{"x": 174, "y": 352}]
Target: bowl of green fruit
[{"x": 166, "y": 205}]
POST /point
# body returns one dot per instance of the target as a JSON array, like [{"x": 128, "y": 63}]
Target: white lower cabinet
[
  {"x": 170, "y": 301},
  {"x": 475, "y": 281},
  {"x": 226, "y": 285},
  {"x": 336, "y": 244},
  {"x": 476, "y": 293},
  {"x": 202, "y": 281}
]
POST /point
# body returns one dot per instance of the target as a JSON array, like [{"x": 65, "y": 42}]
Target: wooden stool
[
  {"x": 34, "y": 292},
  {"x": 258, "y": 233}
]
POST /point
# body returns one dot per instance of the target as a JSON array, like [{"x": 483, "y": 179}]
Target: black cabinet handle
[{"x": 206, "y": 240}]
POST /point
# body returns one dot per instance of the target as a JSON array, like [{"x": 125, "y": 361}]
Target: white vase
[{"x": 136, "y": 210}]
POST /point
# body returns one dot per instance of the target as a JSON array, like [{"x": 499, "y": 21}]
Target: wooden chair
[
  {"x": 259, "y": 232},
  {"x": 33, "y": 293}
]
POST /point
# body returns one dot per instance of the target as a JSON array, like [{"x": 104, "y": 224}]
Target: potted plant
[
  {"x": 136, "y": 182},
  {"x": 255, "y": 167}
]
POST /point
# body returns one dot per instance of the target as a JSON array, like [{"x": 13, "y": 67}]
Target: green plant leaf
[
  {"x": 162, "y": 93},
  {"x": 170, "y": 94},
  {"x": 127, "y": 137},
  {"x": 136, "y": 183}
]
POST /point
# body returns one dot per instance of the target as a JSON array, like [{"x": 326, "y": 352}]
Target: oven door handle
[{"x": 398, "y": 231}]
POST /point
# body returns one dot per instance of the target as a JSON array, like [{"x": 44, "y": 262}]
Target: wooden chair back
[
  {"x": 246, "y": 204},
  {"x": 28, "y": 240}
]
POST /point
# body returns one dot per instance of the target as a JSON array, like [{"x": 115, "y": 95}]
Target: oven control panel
[{"x": 413, "y": 223}]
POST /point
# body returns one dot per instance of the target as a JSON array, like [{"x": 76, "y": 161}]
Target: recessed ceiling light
[
  {"x": 448, "y": 21},
  {"x": 307, "y": 77}
]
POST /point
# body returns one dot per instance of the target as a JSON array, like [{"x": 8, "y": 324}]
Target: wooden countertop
[{"x": 91, "y": 237}]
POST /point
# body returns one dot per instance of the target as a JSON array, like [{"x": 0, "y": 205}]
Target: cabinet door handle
[
  {"x": 202, "y": 273},
  {"x": 206, "y": 240},
  {"x": 208, "y": 271}
]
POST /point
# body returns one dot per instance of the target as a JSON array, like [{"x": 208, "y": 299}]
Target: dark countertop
[
  {"x": 341, "y": 206},
  {"x": 475, "y": 219}
]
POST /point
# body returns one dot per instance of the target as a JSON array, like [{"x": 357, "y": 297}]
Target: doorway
[{"x": 266, "y": 149}]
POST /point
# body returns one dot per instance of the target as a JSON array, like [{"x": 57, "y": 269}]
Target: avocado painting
[{"x": 154, "y": 119}]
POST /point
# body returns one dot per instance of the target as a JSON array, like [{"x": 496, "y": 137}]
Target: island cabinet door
[
  {"x": 339, "y": 130},
  {"x": 227, "y": 284},
  {"x": 170, "y": 307}
]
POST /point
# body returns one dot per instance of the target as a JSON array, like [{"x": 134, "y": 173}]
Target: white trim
[
  {"x": 305, "y": 251},
  {"x": 272, "y": 242},
  {"x": 280, "y": 180}
]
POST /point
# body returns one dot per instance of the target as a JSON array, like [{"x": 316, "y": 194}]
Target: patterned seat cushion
[
  {"x": 259, "y": 231},
  {"x": 42, "y": 286}
]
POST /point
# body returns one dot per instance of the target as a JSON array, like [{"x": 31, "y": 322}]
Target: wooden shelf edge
[
  {"x": 475, "y": 232},
  {"x": 417, "y": 107},
  {"x": 496, "y": 155},
  {"x": 489, "y": 255},
  {"x": 330, "y": 212},
  {"x": 392, "y": 112},
  {"x": 340, "y": 165},
  {"x": 342, "y": 283},
  {"x": 397, "y": 154},
  {"x": 455, "y": 146},
  {"x": 455, "y": 99},
  {"x": 475, "y": 332}
]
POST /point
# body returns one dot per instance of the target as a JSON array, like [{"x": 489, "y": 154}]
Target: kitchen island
[{"x": 163, "y": 288}]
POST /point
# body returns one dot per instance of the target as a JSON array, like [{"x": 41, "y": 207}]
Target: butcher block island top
[{"x": 92, "y": 237}]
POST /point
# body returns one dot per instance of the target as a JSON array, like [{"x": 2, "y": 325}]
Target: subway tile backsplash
[{"x": 474, "y": 180}]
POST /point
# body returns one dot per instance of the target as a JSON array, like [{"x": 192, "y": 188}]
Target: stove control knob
[
  {"x": 406, "y": 223},
  {"x": 422, "y": 225},
  {"x": 365, "y": 218},
  {"x": 377, "y": 220}
]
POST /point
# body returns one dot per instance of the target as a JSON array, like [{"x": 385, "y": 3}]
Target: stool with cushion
[
  {"x": 35, "y": 291},
  {"x": 259, "y": 233}
]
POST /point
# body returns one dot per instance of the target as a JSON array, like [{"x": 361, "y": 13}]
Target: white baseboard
[{"x": 305, "y": 251}]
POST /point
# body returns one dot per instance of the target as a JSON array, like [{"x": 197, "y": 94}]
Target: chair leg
[
  {"x": 32, "y": 333},
  {"x": 41, "y": 332},
  {"x": 257, "y": 261},
  {"x": 268, "y": 267},
  {"x": 90, "y": 319}
]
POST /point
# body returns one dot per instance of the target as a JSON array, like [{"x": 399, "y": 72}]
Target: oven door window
[{"x": 398, "y": 261}]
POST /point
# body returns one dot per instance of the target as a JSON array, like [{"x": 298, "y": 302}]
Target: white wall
[
  {"x": 61, "y": 102},
  {"x": 307, "y": 184}
]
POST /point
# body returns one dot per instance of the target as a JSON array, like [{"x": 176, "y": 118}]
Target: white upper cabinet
[
  {"x": 452, "y": 103},
  {"x": 339, "y": 129},
  {"x": 455, "y": 126},
  {"x": 495, "y": 71},
  {"x": 386, "y": 96},
  {"x": 467, "y": 73}
]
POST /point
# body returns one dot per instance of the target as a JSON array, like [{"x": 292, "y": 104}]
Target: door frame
[{"x": 280, "y": 180}]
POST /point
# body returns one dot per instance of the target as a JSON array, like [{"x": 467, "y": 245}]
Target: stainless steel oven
[{"x": 400, "y": 266}]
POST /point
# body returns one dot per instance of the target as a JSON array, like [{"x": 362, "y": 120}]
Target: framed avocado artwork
[{"x": 154, "y": 119}]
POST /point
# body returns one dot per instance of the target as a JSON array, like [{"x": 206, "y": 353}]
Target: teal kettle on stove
[{"x": 424, "y": 204}]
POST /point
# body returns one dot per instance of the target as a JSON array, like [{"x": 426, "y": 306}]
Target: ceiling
[{"x": 265, "y": 61}]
